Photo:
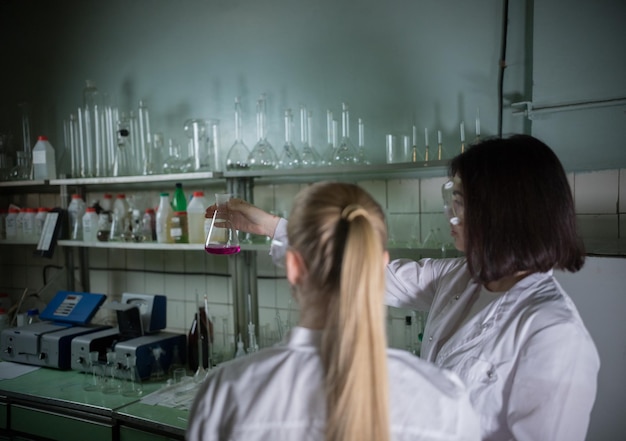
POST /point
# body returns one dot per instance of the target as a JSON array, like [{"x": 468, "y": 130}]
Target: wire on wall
[{"x": 502, "y": 64}]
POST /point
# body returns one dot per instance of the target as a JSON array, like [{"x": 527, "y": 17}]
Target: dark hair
[{"x": 518, "y": 209}]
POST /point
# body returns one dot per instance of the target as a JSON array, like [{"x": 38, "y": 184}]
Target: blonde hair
[{"x": 339, "y": 230}]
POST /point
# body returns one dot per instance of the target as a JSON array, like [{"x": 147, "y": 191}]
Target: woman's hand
[{"x": 247, "y": 217}]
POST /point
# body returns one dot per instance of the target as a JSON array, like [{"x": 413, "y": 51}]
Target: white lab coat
[
  {"x": 277, "y": 394},
  {"x": 527, "y": 359}
]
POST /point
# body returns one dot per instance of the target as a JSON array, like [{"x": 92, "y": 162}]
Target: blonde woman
[{"x": 334, "y": 377}]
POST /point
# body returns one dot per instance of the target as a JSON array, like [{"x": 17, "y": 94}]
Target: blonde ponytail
[{"x": 344, "y": 251}]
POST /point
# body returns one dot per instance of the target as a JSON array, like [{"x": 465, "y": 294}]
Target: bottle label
[{"x": 39, "y": 156}]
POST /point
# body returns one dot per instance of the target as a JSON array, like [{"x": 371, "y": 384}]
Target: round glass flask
[{"x": 222, "y": 237}]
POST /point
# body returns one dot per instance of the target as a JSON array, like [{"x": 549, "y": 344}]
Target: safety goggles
[{"x": 453, "y": 200}]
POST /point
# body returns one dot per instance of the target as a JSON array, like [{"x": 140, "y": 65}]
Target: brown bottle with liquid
[{"x": 199, "y": 332}]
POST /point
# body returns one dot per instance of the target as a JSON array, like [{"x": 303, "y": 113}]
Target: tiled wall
[{"x": 414, "y": 211}]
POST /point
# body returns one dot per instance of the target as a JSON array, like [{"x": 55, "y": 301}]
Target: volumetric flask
[{"x": 222, "y": 237}]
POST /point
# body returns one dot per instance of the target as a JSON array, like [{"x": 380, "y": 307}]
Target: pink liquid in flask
[{"x": 212, "y": 249}]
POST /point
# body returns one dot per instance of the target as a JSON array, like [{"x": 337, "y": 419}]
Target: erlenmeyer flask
[
  {"x": 262, "y": 156},
  {"x": 309, "y": 156},
  {"x": 345, "y": 153},
  {"x": 237, "y": 158},
  {"x": 289, "y": 157},
  {"x": 222, "y": 237}
]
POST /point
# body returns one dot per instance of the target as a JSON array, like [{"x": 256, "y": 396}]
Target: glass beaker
[
  {"x": 222, "y": 237},
  {"x": 132, "y": 386},
  {"x": 110, "y": 379},
  {"x": 196, "y": 131},
  {"x": 93, "y": 373},
  {"x": 262, "y": 156}
]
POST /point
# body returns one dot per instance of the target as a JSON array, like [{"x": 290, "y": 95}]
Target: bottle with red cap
[{"x": 44, "y": 160}]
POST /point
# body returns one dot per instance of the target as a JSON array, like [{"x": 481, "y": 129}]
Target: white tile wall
[{"x": 414, "y": 210}]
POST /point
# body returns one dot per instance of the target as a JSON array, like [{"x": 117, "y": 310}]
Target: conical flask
[
  {"x": 262, "y": 156},
  {"x": 289, "y": 157},
  {"x": 237, "y": 158},
  {"x": 345, "y": 154},
  {"x": 222, "y": 237}
]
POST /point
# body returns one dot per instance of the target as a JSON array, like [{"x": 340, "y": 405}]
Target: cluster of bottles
[
  {"x": 176, "y": 221},
  {"x": 110, "y": 220},
  {"x": 38, "y": 164},
  {"x": 24, "y": 224}
]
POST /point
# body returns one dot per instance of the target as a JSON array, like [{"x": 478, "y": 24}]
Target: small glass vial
[{"x": 178, "y": 227}]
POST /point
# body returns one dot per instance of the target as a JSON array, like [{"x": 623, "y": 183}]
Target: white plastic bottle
[
  {"x": 90, "y": 225},
  {"x": 28, "y": 224},
  {"x": 3, "y": 223},
  {"x": 195, "y": 217},
  {"x": 11, "y": 223},
  {"x": 44, "y": 161},
  {"x": 76, "y": 211},
  {"x": 19, "y": 224},
  {"x": 163, "y": 215}
]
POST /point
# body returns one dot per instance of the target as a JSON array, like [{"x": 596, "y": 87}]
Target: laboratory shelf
[
  {"x": 23, "y": 183},
  {"x": 141, "y": 179},
  {"x": 19, "y": 241},
  {"x": 346, "y": 172}
]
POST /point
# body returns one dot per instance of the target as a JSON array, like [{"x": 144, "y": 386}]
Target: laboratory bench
[{"x": 50, "y": 404}]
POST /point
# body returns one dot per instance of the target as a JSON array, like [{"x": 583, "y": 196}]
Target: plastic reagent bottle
[
  {"x": 163, "y": 215},
  {"x": 90, "y": 225},
  {"x": 44, "y": 161},
  {"x": 179, "y": 202},
  {"x": 195, "y": 217}
]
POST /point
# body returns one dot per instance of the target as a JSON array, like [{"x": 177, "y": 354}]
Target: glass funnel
[
  {"x": 262, "y": 156},
  {"x": 309, "y": 156},
  {"x": 289, "y": 157},
  {"x": 222, "y": 237},
  {"x": 237, "y": 158}
]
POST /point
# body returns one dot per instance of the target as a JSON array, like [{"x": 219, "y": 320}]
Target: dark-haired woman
[{"x": 498, "y": 317}]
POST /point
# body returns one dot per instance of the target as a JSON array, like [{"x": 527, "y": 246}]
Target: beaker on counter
[
  {"x": 132, "y": 387},
  {"x": 111, "y": 376},
  {"x": 93, "y": 375},
  {"x": 222, "y": 237}
]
